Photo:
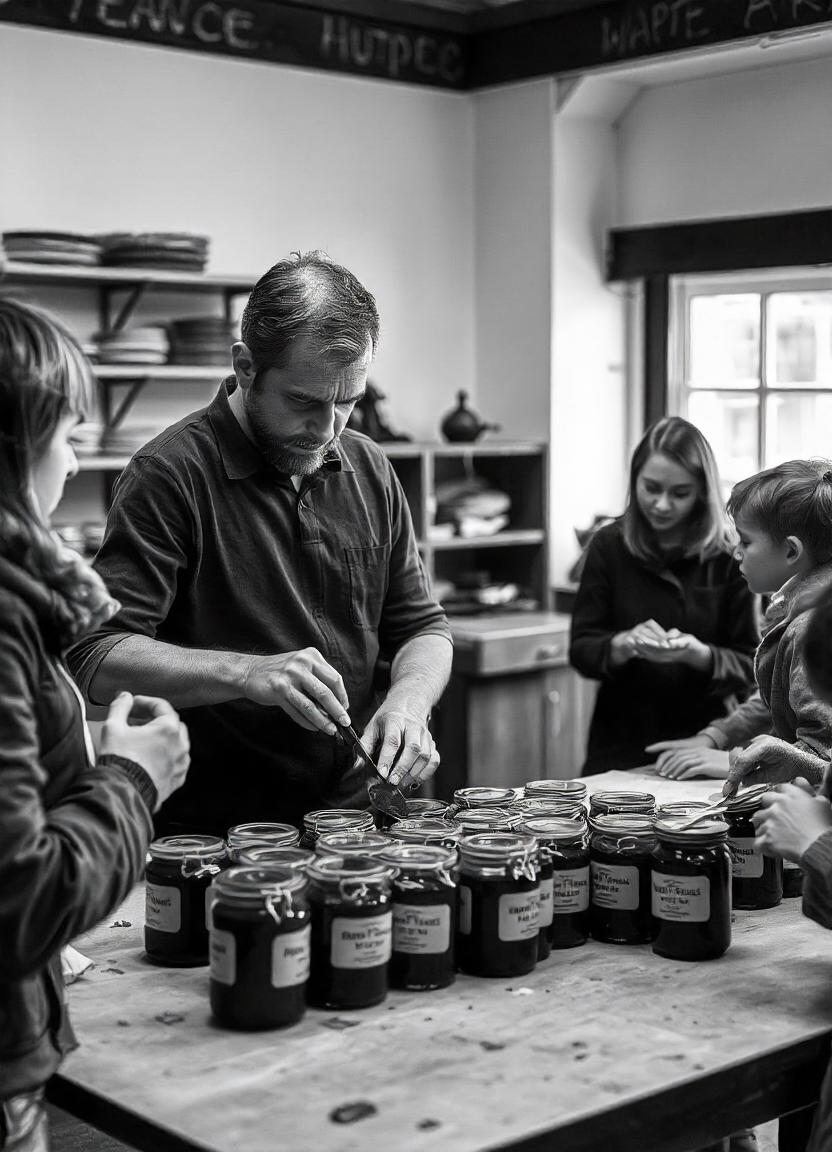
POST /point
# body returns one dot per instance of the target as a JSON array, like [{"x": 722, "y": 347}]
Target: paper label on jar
[
  {"x": 290, "y": 958},
  {"x": 546, "y": 910},
  {"x": 361, "y": 942},
  {"x": 464, "y": 910},
  {"x": 681, "y": 898},
  {"x": 163, "y": 908},
  {"x": 519, "y": 915},
  {"x": 746, "y": 860},
  {"x": 571, "y": 890},
  {"x": 421, "y": 929},
  {"x": 615, "y": 886},
  {"x": 223, "y": 956}
]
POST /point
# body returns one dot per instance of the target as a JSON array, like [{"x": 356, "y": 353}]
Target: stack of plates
[
  {"x": 147, "y": 344},
  {"x": 127, "y": 439},
  {"x": 179, "y": 251},
  {"x": 52, "y": 248},
  {"x": 201, "y": 340}
]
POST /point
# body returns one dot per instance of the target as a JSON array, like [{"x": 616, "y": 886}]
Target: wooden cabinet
[{"x": 514, "y": 710}]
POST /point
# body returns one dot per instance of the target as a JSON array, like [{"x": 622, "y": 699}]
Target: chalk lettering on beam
[{"x": 755, "y": 8}]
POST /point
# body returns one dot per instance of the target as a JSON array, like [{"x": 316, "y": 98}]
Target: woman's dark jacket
[
  {"x": 73, "y": 836},
  {"x": 641, "y": 702}
]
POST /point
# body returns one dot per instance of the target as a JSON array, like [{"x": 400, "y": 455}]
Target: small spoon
[{"x": 723, "y": 804}]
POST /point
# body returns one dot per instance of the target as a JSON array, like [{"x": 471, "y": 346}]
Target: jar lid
[
  {"x": 336, "y": 869},
  {"x": 273, "y": 834},
  {"x": 572, "y": 789},
  {"x": 497, "y": 847},
  {"x": 498, "y": 819},
  {"x": 623, "y": 824},
  {"x": 554, "y": 830},
  {"x": 681, "y": 808},
  {"x": 424, "y": 830},
  {"x": 267, "y": 856},
  {"x": 187, "y": 848},
  {"x": 352, "y": 842},
  {"x": 705, "y": 833},
  {"x": 252, "y": 885},
  {"x": 747, "y": 801},
  {"x": 534, "y": 806},
  {"x": 483, "y": 797},
  {"x": 419, "y": 857},
  {"x": 337, "y": 819},
  {"x": 615, "y": 801},
  {"x": 425, "y": 807}
]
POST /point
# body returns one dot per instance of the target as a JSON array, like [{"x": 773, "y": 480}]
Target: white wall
[
  {"x": 743, "y": 144},
  {"x": 100, "y": 135}
]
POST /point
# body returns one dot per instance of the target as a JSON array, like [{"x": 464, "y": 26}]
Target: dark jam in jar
[
  {"x": 351, "y": 844},
  {"x": 565, "y": 843},
  {"x": 757, "y": 879},
  {"x": 621, "y": 848},
  {"x": 177, "y": 884},
  {"x": 424, "y": 916},
  {"x": 499, "y": 904},
  {"x": 260, "y": 938},
  {"x": 631, "y": 803},
  {"x": 352, "y": 930},
  {"x": 247, "y": 835},
  {"x": 263, "y": 856},
  {"x": 691, "y": 889},
  {"x": 333, "y": 820}
]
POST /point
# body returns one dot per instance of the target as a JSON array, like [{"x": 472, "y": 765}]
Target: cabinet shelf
[
  {"x": 499, "y": 540},
  {"x": 123, "y": 372},
  {"x": 123, "y": 277}
]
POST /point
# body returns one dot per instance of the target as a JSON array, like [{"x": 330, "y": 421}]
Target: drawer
[{"x": 516, "y": 646}]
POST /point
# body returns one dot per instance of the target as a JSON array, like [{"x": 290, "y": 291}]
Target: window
[{"x": 750, "y": 363}]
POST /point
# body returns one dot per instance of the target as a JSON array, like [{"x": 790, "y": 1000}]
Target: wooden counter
[{"x": 601, "y": 1047}]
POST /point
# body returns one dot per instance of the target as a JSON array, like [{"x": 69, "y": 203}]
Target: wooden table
[{"x": 601, "y": 1047}]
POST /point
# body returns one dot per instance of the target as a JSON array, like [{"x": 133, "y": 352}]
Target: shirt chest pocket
[{"x": 368, "y": 570}]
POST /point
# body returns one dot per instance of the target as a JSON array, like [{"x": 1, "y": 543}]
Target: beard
[{"x": 288, "y": 456}]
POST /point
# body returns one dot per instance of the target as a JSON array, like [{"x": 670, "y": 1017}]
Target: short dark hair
[
  {"x": 791, "y": 499},
  {"x": 817, "y": 650},
  {"x": 309, "y": 295}
]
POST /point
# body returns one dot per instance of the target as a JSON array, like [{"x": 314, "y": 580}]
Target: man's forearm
[
  {"x": 187, "y": 677},
  {"x": 420, "y": 671}
]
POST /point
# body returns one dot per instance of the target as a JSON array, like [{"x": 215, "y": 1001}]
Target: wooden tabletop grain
[{"x": 602, "y": 1048}]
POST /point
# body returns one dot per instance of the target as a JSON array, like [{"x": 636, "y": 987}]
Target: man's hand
[
  {"x": 685, "y": 763},
  {"x": 402, "y": 745},
  {"x": 767, "y": 760},
  {"x": 303, "y": 684},
  {"x": 790, "y": 820}
]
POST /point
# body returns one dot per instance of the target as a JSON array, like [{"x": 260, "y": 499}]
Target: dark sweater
[
  {"x": 73, "y": 836},
  {"x": 641, "y": 702}
]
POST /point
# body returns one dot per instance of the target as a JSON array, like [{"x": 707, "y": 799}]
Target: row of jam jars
[
  {"x": 691, "y": 889},
  {"x": 499, "y": 904},
  {"x": 757, "y": 879},
  {"x": 424, "y": 915},
  {"x": 333, "y": 820},
  {"x": 260, "y": 947},
  {"x": 249, "y": 835},
  {"x": 178, "y": 879},
  {"x": 621, "y": 850},
  {"x": 564, "y": 856}
]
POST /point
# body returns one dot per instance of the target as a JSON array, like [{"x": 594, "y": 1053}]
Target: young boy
[{"x": 784, "y": 519}]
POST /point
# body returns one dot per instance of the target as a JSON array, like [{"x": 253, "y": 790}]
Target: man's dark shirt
[{"x": 208, "y": 546}]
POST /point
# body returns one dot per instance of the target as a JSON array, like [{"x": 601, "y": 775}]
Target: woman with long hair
[
  {"x": 663, "y": 617},
  {"x": 74, "y": 828}
]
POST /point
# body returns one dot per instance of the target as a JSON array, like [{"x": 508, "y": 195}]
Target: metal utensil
[
  {"x": 722, "y": 804},
  {"x": 384, "y": 796}
]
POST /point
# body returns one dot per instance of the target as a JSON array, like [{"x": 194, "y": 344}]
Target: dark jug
[{"x": 462, "y": 425}]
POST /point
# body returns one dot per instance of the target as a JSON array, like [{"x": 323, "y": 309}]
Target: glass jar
[
  {"x": 470, "y": 820},
  {"x": 352, "y": 930},
  {"x": 263, "y": 856},
  {"x": 632, "y": 803},
  {"x": 177, "y": 901},
  {"x": 435, "y": 809},
  {"x": 570, "y": 790},
  {"x": 558, "y": 809},
  {"x": 756, "y": 879},
  {"x": 259, "y": 939},
  {"x": 247, "y": 835},
  {"x": 691, "y": 889},
  {"x": 483, "y": 797},
  {"x": 566, "y": 843},
  {"x": 499, "y": 904},
  {"x": 424, "y": 830},
  {"x": 334, "y": 820},
  {"x": 424, "y": 916},
  {"x": 350, "y": 844},
  {"x": 621, "y": 848},
  {"x": 688, "y": 808}
]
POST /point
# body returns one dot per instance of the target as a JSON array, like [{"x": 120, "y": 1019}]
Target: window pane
[
  {"x": 800, "y": 339},
  {"x": 730, "y": 423},
  {"x": 725, "y": 341},
  {"x": 797, "y": 426}
]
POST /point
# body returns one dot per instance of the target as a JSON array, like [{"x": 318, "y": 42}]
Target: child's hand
[
  {"x": 685, "y": 763},
  {"x": 790, "y": 820},
  {"x": 767, "y": 760}
]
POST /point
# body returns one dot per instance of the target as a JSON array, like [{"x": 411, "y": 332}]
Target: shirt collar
[
  {"x": 800, "y": 593},
  {"x": 240, "y": 457}
]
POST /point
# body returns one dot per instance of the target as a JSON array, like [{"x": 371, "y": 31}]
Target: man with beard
[{"x": 267, "y": 568}]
